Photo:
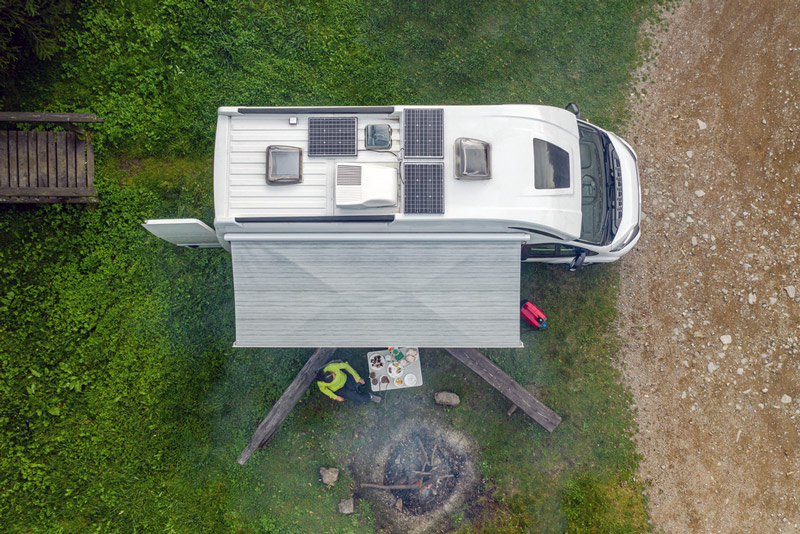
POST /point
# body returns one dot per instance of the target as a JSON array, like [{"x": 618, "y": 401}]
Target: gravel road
[{"x": 710, "y": 300}]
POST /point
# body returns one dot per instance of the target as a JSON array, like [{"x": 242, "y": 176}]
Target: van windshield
[{"x": 595, "y": 183}]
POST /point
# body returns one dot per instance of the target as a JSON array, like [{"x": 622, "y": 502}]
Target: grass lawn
[{"x": 124, "y": 405}]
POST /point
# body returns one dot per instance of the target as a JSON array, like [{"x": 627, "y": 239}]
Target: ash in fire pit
[
  {"x": 421, "y": 471},
  {"x": 425, "y": 476}
]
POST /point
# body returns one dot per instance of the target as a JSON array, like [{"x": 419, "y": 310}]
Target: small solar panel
[
  {"x": 424, "y": 187},
  {"x": 423, "y": 133},
  {"x": 332, "y": 136}
]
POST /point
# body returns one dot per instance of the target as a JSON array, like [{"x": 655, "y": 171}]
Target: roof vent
[
  {"x": 378, "y": 137},
  {"x": 284, "y": 165},
  {"x": 365, "y": 186},
  {"x": 472, "y": 159}
]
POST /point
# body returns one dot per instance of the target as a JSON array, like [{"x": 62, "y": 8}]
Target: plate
[
  {"x": 377, "y": 362},
  {"x": 394, "y": 370},
  {"x": 411, "y": 380}
]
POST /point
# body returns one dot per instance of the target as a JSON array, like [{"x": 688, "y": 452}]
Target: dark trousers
[{"x": 351, "y": 390}]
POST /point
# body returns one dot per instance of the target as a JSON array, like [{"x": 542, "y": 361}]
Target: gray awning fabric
[{"x": 376, "y": 293}]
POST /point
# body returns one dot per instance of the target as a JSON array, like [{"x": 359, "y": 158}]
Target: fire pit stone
[{"x": 446, "y": 398}]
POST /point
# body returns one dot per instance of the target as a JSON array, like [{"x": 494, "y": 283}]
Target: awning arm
[{"x": 347, "y": 236}]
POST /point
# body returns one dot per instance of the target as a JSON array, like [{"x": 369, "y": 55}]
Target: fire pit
[
  {"x": 421, "y": 472},
  {"x": 424, "y": 474}
]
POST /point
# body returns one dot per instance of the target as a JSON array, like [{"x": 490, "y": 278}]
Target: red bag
[{"x": 533, "y": 315}]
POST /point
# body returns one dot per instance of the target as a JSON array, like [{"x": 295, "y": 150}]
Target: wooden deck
[
  {"x": 46, "y": 166},
  {"x": 506, "y": 385},
  {"x": 281, "y": 409}
]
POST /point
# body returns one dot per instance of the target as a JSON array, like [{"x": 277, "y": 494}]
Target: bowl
[
  {"x": 411, "y": 380},
  {"x": 377, "y": 362}
]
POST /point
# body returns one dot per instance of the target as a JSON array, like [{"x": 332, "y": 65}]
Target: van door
[{"x": 192, "y": 233}]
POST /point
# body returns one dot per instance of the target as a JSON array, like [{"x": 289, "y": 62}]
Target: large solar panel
[
  {"x": 332, "y": 136},
  {"x": 424, "y": 187},
  {"x": 423, "y": 133}
]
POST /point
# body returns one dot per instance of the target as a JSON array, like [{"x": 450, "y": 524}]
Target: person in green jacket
[{"x": 339, "y": 381}]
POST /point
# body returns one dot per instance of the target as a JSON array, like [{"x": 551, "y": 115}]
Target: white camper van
[{"x": 370, "y": 197}]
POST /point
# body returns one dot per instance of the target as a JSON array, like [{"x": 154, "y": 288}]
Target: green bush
[{"x": 30, "y": 29}]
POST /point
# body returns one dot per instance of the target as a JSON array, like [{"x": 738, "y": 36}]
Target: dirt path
[{"x": 716, "y": 135}]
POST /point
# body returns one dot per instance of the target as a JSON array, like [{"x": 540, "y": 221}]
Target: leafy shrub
[{"x": 30, "y": 26}]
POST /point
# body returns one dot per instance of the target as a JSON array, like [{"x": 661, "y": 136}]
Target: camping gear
[{"x": 533, "y": 315}]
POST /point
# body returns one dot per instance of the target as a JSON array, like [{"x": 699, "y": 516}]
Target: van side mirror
[
  {"x": 573, "y": 107},
  {"x": 577, "y": 261}
]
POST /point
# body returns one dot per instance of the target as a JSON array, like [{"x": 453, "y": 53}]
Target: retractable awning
[{"x": 423, "y": 290}]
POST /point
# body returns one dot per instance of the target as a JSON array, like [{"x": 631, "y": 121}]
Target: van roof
[{"x": 243, "y": 135}]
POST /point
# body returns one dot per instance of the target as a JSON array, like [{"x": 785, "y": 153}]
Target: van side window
[
  {"x": 567, "y": 251},
  {"x": 552, "y": 250},
  {"x": 539, "y": 250}
]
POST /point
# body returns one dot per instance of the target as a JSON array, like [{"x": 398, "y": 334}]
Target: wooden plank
[
  {"x": 22, "y": 159},
  {"x": 47, "y": 200},
  {"x": 80, "y": 162},
  {"x": 89, "y": 164},
  {"x": 14, "y": 116},
  {"x": 281, "y": 409},
  {"x": 13, "y": 166},
  {"x": 51, "y": 160},
  {"x": 48, "y": 191},
  {"x": 61, "y": 159},
  {"x": 33, "y": 159},
  {"x": 4, "y": 174},
  {"x": 71, "y": 162},
  {"x": 506, "y": 385},
  {"x": 41, "y": 159}
]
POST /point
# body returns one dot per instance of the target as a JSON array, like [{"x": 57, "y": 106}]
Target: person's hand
[
  {"x": 339, "y": 399},
  {"x": 361, "y": 381}
]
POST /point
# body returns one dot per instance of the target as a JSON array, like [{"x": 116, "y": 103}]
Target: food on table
[
  {"x": 384, "y": 380},
  {"x": 394, "y": 369},
  {"x": 372, "y": 374},
  {"x": 398, "y": 381},
  {"x": 374, "y": 381},
  {"x": 411, "y": 358},
  {"x": 376, "y": 362},
  {"x": 412, "y": 352}
]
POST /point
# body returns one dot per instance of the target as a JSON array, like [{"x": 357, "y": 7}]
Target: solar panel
[
  {"x": 423, "y": 133},
  {"x": 332, "y": 136},
  {"x": 424, "y": 187}
]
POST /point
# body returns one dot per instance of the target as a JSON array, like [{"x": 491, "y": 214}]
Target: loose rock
[
  {"x": 702, "y": 125},
  {"x": 700, "y": 193},
  {"x": 790, "y": 291},
  {"x": 329, "y": 475},
  {"x": 786, "y": 399},
  {"x": 446, "y": 398},
  {"x": 712, "y": 367},
  {"x": 398, "y": 504},
  {"x": 751, "y": 298},
  {"x": 346, "y": 506},
  {"x": 726, "y": 339}
]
